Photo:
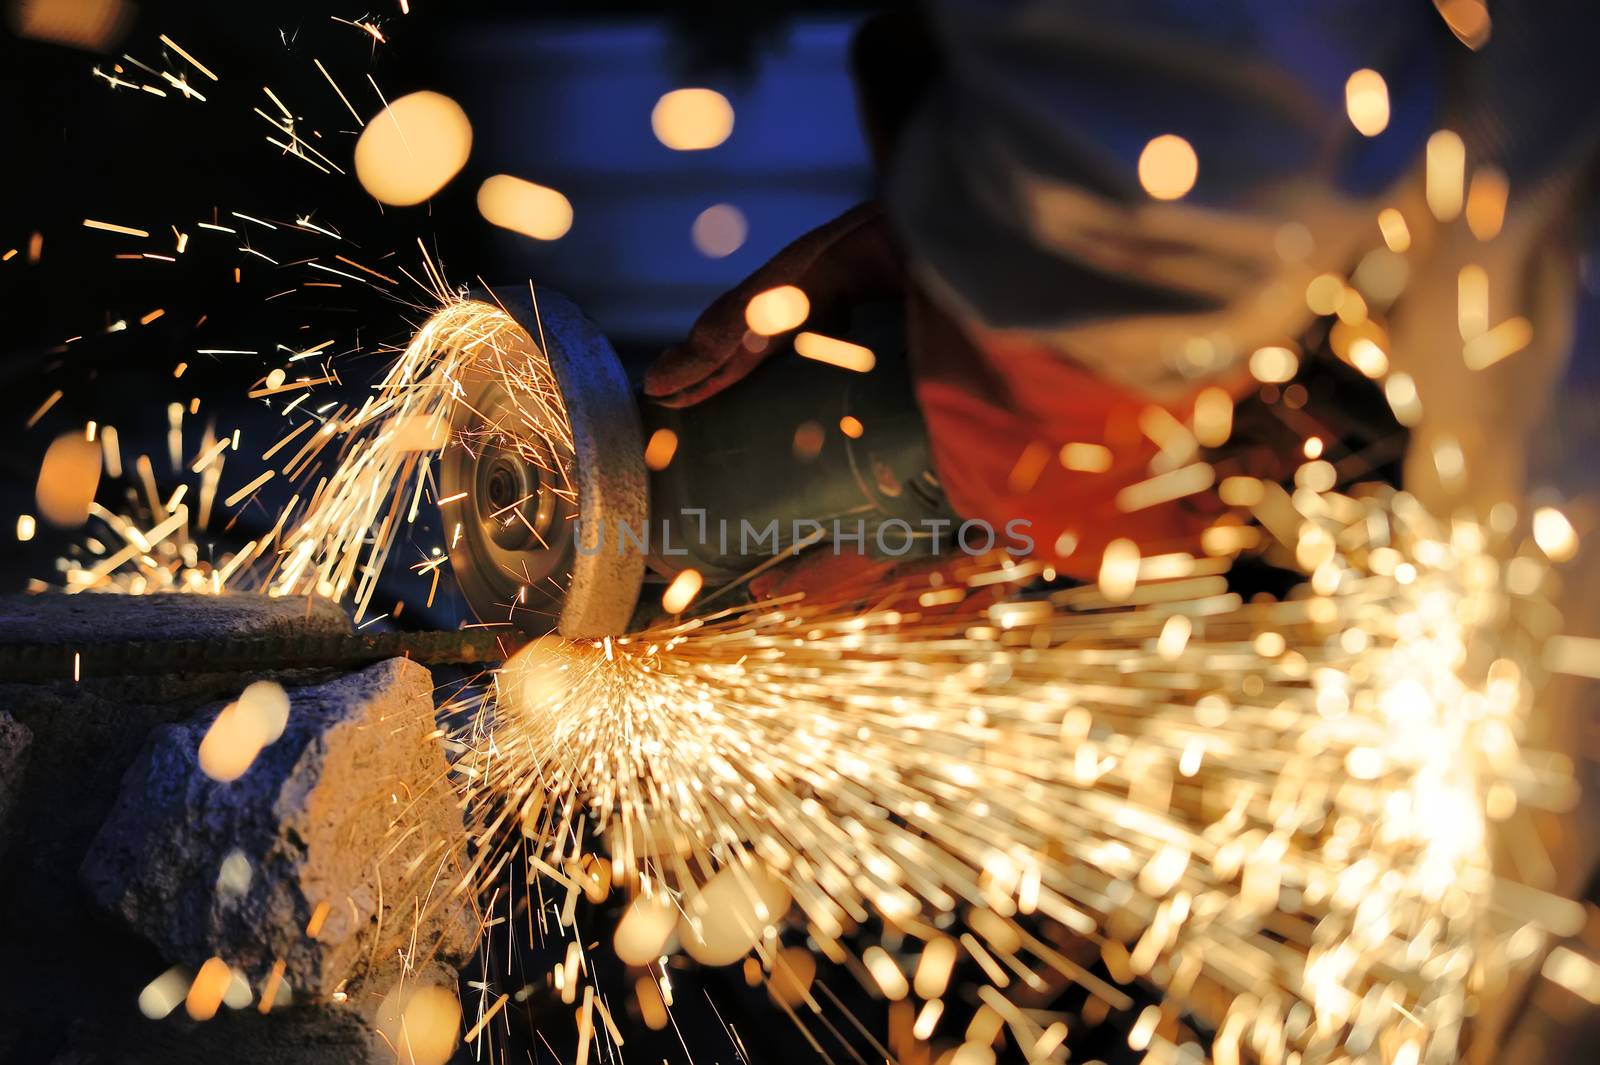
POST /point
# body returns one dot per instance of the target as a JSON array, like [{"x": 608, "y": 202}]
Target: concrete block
[
  {"x": 15, "y": 739},
  {"x": 344, "y": 825}
]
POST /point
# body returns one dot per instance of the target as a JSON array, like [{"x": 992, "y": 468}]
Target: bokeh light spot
[
  {"x": 777, "y": 310},
  {"x": 691, "y": 120},
  {"x": 69, "y": 476},
  {"x": 719, "y": 231},
  {"x": 413, "y": 148},
  {"x": 1366, "y": 101},
  {"x": 1168, "y": 167},
  {"x": 524, "y": 207}
]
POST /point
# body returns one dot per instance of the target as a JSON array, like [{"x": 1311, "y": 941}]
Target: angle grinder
[{"x": 567, "y": 537}]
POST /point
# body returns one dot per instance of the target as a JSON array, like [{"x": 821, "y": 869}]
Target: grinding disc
[{"x": 516, "y": 556}]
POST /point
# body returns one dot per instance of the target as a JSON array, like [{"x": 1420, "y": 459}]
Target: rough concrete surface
[
  {"x": 15, "y": 739},
  {"x": 56, "y": 618},
  {"x": 233, "y": 1037},
  {"x": 72, "y": 975},
  {"x": 349, "y": 811}
]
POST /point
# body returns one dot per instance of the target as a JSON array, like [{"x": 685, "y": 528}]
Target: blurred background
[{"x": 558, "y": 93}]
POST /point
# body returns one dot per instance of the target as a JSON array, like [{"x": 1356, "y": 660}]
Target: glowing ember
[
  {"x": 1486, "y": 202},
  {"x": 524, "y": 207},
  {"x": 1396, "y": 234},
  {"x": 688, "y": 120},
  {"x": 234, "y": 740},
  {"x": 1213, "y": 417},
  {"x": 93, "y": 25},
  {"x": 413, "y": 149},
  {"x": 1446, "y": 163},
  {"x": 211, "y": 983},
  {"x": 1085, "y": 458},
  {"x": 1274, "y": 365},
  {"x": 658, "y": 453},
  {"x": 230, "y": 745},
  {"x": 834, "y": 352},
  {"x": 1366, "y": 99},
  {"x": 266, "y": 705},
  {"x": 644, "y": 930},
  {"x": 681, "y": 592},
  {"x": 1554, "y": 534},
  {"x": 777, "y": 310},
  {"x": 68, "y": 480},
  {"x": 421, "y": 1024},
  {"x": 719, "y": 230},
  {"x": 1168, "y": 167},
  {"x": 165, "y": 993}
]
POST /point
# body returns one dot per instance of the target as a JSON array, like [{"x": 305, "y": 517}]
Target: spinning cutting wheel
[{"x": 527, "y": 487}]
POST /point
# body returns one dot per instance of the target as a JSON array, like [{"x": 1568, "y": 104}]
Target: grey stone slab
[
  {"x": 349, "y": 809},
  {"x": 15, "y": 739},
  {"x": 56, "y": 618},
  {"x": 72, "y": 973}
]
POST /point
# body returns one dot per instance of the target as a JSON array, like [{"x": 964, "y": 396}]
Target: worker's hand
[
  {"x": 998, "y": 408},
  {"x": 850, "y": 260}
]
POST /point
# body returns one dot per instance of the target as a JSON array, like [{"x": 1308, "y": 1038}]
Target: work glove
[
  {"x": 847, "y": 261},
  {"x": 998, "y": 411}
]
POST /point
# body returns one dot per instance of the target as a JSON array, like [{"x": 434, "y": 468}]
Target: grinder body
[
  {"x": 746, "y": 486},
  {"x": 739, "y": 493}
]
